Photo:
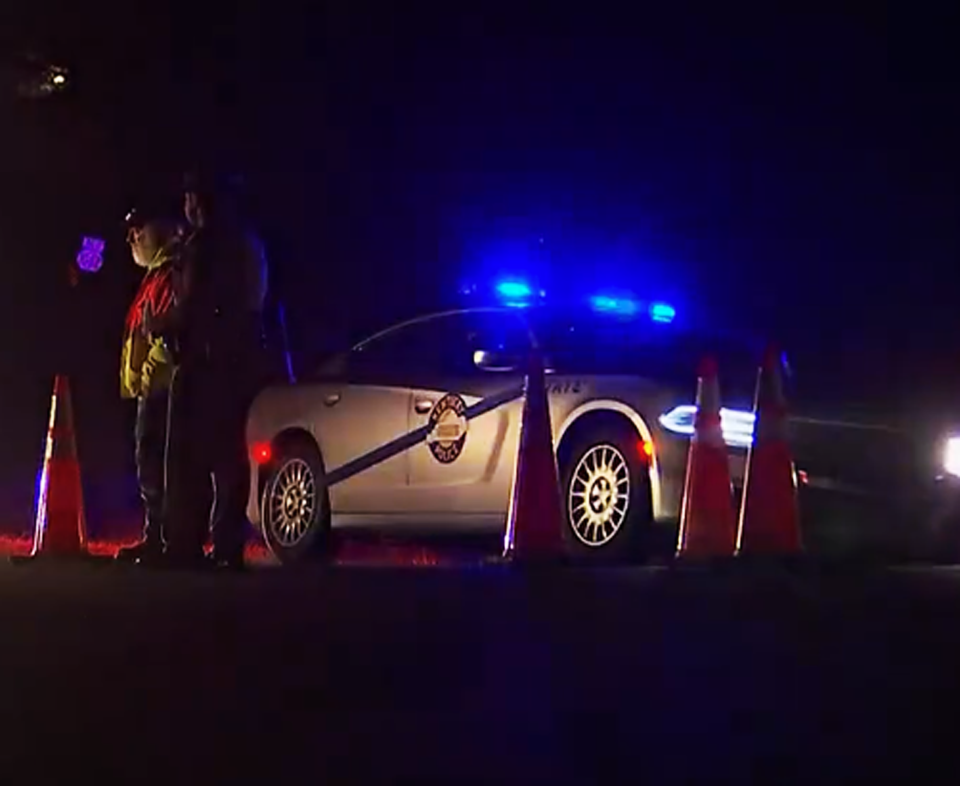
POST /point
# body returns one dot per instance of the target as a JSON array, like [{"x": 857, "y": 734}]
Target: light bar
[
  {"x": 627, "y": 306},
  {"x": 614, "y": 305},
  {"x": 517, "y": 294},
  {"x": 736, "y": 424},
  {"x": 661, "y": 312},
  {"x": 513, "y": 290}
]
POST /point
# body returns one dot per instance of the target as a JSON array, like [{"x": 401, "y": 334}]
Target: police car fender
[{"x": 612, "y": 405}]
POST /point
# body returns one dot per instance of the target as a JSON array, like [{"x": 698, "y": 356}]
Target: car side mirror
[{"x": 487, "y": 360}]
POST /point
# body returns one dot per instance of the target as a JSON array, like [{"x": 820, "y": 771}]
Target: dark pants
[
  {"x": 150, "y": 438},
  {"x": 207, "y": 459}
]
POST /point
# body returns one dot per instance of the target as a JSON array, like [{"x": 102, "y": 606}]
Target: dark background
[{"x": 793, "y": 173}]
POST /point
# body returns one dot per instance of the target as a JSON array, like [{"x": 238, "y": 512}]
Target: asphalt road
[{"x": 478, "y": 674}]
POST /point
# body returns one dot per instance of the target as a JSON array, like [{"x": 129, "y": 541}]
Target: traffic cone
[
  {"x": 769, "y": 518},
  {"x": 534, "y": 530},
  {"x": 707, "y": 519},
  {"x": 60, "y": 529}
]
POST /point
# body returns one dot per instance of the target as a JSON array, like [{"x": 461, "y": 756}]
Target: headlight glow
[
  {"x": 951, "y": 457},
  {"x": 737, "y": 425}
]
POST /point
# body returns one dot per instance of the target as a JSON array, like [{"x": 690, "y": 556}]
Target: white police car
[{"x": 418, "y": 425}]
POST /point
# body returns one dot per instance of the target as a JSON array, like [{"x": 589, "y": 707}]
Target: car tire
[
  {"x": 295, "y": 505},
  {"x": 597, "y": 527}
]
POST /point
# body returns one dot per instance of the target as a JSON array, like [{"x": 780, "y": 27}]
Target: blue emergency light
[
  {"x": 614, "y": 305},
  {"x": 661, "y": 312},
  {"x": 513, "y": 290},
  {"x": 518, "y": 293},
  {"x": 628, "y": 307}
]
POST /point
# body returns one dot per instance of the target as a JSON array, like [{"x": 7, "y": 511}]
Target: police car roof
[{"x": 559, "y": 320}]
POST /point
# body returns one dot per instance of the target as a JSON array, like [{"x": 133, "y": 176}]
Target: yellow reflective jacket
[{"x": 146, "y": 365}]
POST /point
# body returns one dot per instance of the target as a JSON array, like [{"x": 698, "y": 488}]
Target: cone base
[
  {"x": 782, "y": 559},
  {"x": 712, "y": 564}
]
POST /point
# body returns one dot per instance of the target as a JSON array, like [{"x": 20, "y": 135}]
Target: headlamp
[{"x": 951, "y": 456}]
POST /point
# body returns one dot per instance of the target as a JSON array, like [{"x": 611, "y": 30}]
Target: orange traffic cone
[
  {"x": 60, "y": 529},
  {"x": 769, "y": 519},
  {"x": 535, "y": 522},
  {"x": 707, "y": 521}
]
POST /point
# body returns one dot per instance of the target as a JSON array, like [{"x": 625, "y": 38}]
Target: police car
[{"x": 417, "y": 425}]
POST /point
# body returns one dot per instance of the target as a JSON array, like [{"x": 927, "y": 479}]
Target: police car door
[
  {"x": 365, "y": 406},
  {"x": 463, "y": 469}
]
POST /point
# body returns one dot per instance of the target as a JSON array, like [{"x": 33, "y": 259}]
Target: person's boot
[
  {"x": 147, "y": 551},
  {"x": 186, "y": 553},
  {"x": 228, "y": 543},
  {"x": 186, "y": 560},
  {"x": 230, "y": 561}
]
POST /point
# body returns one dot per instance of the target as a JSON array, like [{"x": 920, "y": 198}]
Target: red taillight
[{"x": 262, "y": 453}]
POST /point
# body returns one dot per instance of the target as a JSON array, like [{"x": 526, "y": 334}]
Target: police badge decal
[{"x": 448, "y": 428}]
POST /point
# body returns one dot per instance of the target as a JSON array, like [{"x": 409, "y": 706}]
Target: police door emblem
[{"x": 448, "y": 428}]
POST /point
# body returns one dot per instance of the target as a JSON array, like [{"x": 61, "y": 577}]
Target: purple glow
[{"x": 90, "y": 255}]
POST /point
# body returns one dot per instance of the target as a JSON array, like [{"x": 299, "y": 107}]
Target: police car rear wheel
[
  {"x": 605, "y": 495},
  {"x": 295, "y": 510}
]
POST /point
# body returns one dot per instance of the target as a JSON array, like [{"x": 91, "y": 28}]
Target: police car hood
[
  {"x": 866, "y": 427},
  {"x": 848, "y": 431}
]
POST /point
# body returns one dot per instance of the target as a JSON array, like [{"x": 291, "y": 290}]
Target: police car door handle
[
  {"x": 423, "y": 405},
  {"x": 331, "y": 399}
]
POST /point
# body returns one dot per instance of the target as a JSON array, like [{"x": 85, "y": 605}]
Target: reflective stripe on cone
[
  {"x": 707, "y": 520},
  {"x": 534, "y": 531},
  {"x": 769, "y": 521},
  {"x": 60, "y": 528}
]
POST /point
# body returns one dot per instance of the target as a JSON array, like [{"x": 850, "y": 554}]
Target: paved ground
[{"x": 477, "y": 674}]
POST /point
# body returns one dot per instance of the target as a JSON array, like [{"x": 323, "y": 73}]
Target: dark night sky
[{"x": 793, "y": 172}]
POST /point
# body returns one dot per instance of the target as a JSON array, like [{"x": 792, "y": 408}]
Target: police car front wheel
[
  {"x": 294, "y": 508},
  {"x": 605, "y": 489}
]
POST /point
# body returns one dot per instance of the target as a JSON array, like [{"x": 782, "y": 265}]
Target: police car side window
[
  {"x": 450, "y": 342},
  {"x": 504, "y": 334},
  {"x": 432, "y": 345},
  {"x": 384, "y": 354}
]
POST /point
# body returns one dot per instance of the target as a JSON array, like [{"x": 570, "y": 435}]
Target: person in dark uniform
[
  {"x": 221, "y": 285},
  {"x": 146, "y": 371}
]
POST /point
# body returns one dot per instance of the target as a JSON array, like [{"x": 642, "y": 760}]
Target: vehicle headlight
[
  {"x": 951, "y": 456},
  {"x": 736, "y": 424}
]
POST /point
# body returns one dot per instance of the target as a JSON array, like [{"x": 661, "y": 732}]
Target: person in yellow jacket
[{"x": 146, "y": 371}]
